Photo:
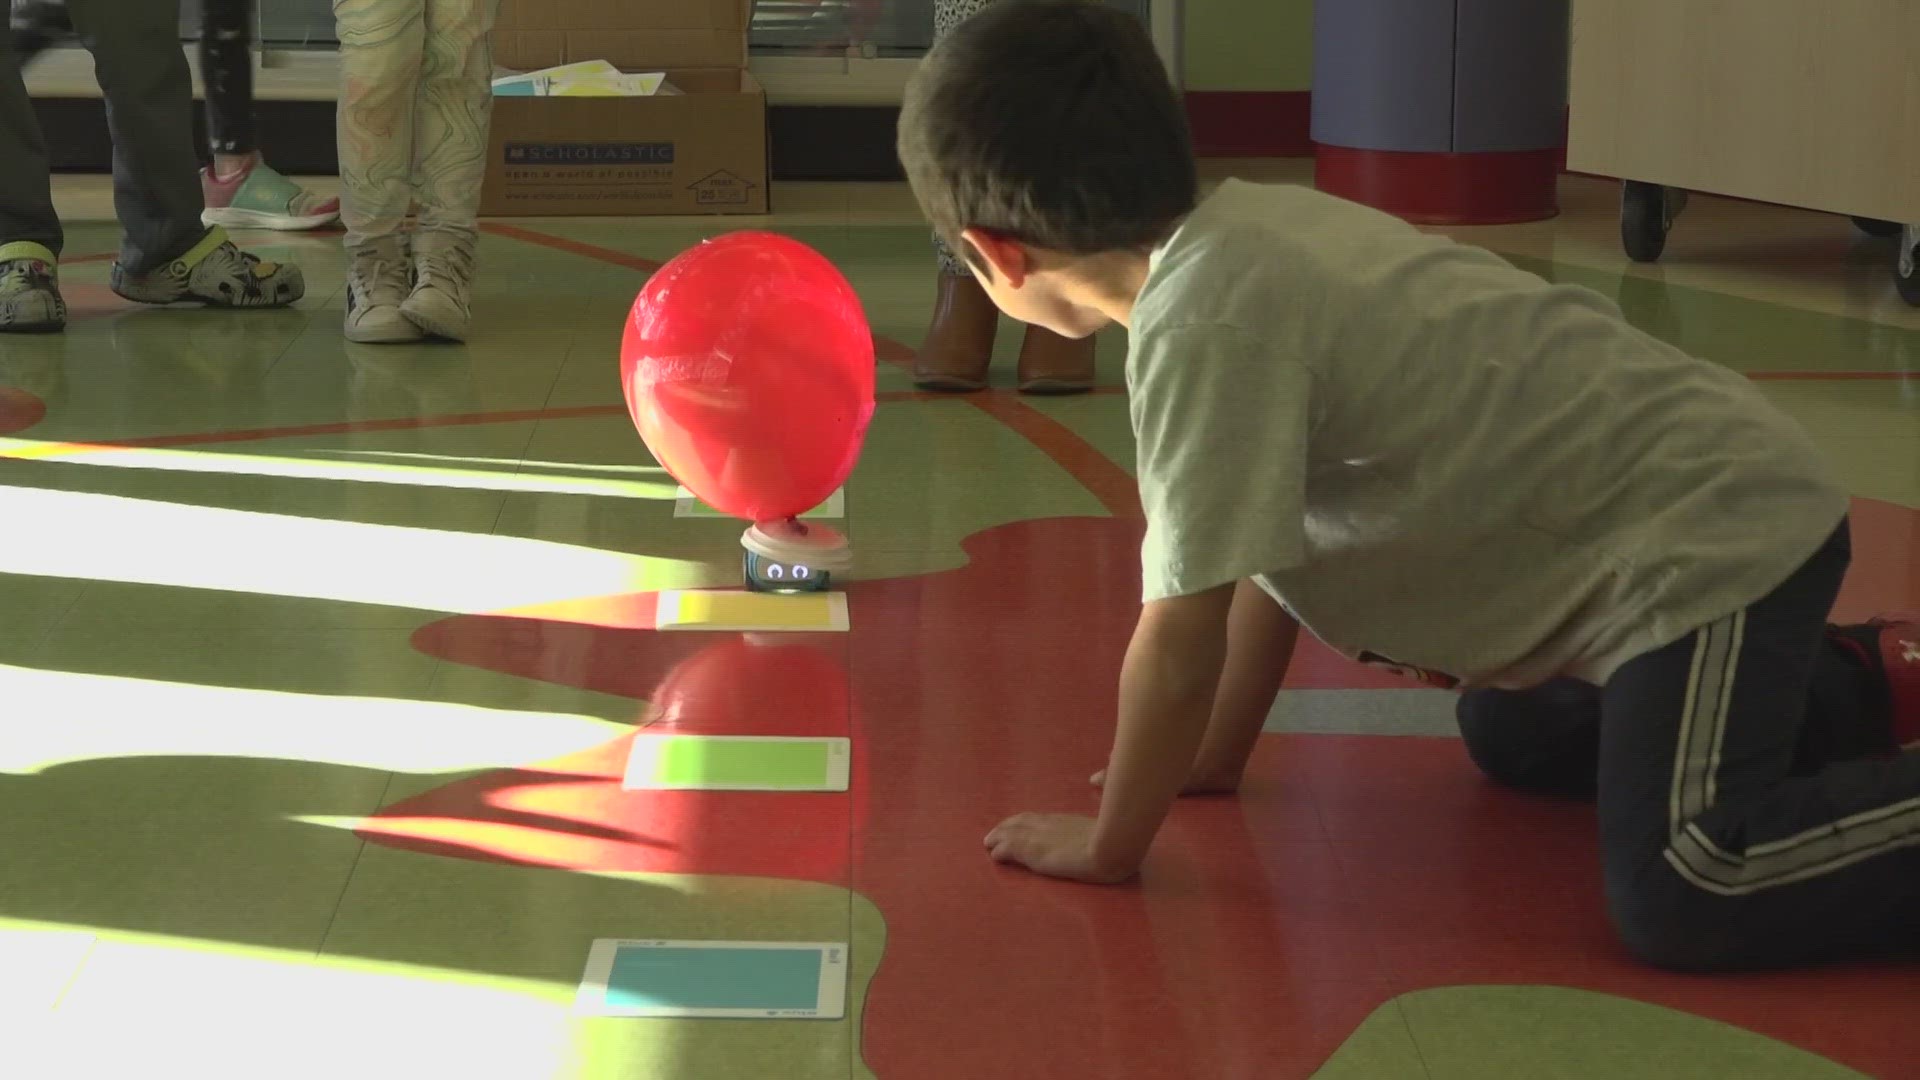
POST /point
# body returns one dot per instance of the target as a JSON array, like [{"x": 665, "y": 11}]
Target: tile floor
[{"x": 321, "y": 663}]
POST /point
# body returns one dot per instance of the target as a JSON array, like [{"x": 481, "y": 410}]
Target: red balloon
[{"x": 748, "y": 369}]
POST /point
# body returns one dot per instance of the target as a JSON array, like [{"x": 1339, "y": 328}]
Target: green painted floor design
[
  {"x": 1553, "y": 1033},
  {"x": 176, "y": 871}
]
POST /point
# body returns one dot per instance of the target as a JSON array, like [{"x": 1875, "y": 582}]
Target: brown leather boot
[
  {"x": 959, "y": 344},
  {"x": 1051, "y": 364}
]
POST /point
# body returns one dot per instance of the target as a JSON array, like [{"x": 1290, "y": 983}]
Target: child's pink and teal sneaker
[{"x": 258, "y": 197}]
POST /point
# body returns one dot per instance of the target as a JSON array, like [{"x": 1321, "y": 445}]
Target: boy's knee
[
  {"x": 1530, "y": 740},
  {"x": 1489, "y": 731},
  {"x": 1671, "y": 944},
  {"x": 1668, "y": 924}
]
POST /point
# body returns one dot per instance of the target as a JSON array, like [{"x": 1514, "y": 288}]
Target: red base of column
[{"x": 1444, "y": 189}]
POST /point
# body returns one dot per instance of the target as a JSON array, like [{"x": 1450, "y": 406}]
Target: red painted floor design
[
  {"x": 19, "y": 410},
  {"x": 1266, "y": 928}
]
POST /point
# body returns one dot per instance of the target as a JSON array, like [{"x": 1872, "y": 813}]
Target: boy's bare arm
[
  {"x": 1260, "y": 643},
  {"x": 1167, "y": 686},
  {"x": 1167, "y": 690}
]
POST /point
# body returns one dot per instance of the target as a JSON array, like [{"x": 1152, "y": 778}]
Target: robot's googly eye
[{"x": 771, "y": 566}]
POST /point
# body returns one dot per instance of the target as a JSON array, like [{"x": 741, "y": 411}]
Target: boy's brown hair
[{"x": 1051, "y": 122}]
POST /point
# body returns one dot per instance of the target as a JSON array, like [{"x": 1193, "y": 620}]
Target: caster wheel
[
  {"x": 1646, "y": 216},
  {"x": 1906, "y": 265},
  {"x": 1876, "y": 228}
]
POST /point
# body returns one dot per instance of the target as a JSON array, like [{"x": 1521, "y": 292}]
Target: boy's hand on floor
[{"x": 1057, "y": 845}]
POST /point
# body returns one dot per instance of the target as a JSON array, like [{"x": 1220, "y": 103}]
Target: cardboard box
[{"x": 702, "y": 150}]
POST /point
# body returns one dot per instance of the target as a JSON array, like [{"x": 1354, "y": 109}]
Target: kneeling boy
[{"x": 1624, "y": 555}]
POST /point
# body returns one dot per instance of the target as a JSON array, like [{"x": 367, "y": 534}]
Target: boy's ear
[{"x": 1010, "y": 259}]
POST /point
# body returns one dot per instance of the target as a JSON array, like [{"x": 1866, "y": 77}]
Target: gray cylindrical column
[
  {"x": 1442, "y": 110},
  {"x": 1383, "y": 75}
]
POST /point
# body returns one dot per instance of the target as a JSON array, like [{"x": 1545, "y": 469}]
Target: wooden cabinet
[{"x": 1814, "y": 105}]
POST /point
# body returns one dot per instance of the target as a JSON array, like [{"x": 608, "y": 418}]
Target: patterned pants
[
  {"x": 948, "y": 14},
  {"x": 414, "y": 105}
]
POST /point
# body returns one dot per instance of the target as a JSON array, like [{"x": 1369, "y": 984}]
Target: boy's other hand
[
  {"x": 1057, "y": 845},
  {"x": 1201, "y": 783}
]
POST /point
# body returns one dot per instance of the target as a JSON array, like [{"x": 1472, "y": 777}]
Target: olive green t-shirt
[{"x": 1440, "y": 462}]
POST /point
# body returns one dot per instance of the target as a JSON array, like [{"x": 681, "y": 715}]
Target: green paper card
[{"x": 736, "y": 763}]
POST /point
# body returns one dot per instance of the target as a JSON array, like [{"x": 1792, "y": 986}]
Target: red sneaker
[
  {"x": 1890, "y": 644},
  {"x": 1900, "y": 660}
]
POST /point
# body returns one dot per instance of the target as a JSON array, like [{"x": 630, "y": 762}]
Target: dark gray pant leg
[
  {"x": 144, "y": 76},
  {"x": 26, "y": 201}
]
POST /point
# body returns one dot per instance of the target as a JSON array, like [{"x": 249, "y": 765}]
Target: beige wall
[{"x": 1249, "y": 44}]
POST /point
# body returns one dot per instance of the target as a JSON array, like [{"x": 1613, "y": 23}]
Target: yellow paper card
[{"x": 693, "y": 609}]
